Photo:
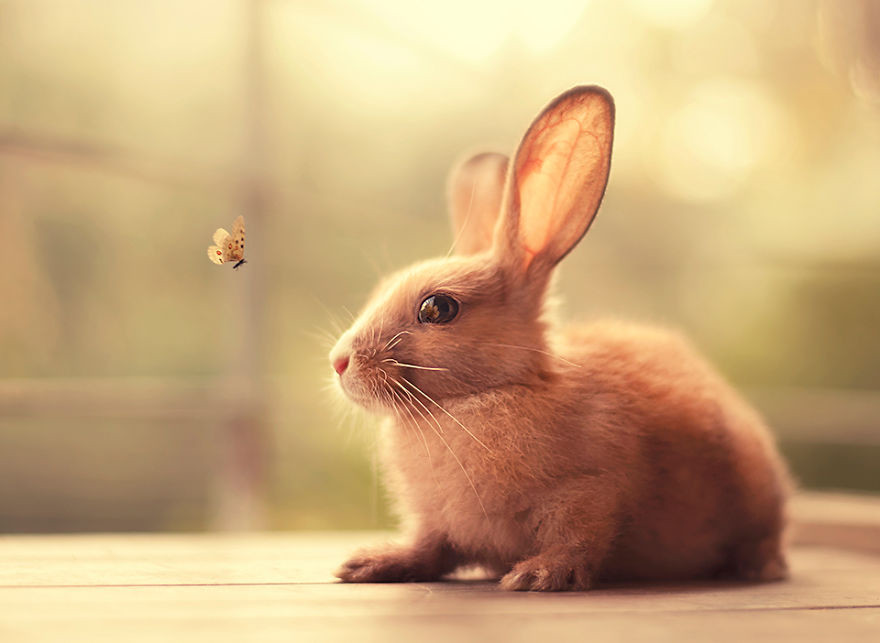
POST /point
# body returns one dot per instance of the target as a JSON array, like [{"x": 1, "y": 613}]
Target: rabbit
[{"x": 554, "y": 458}]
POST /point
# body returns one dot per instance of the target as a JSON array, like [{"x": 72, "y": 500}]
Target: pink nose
[{"x": 340, "y": 365}]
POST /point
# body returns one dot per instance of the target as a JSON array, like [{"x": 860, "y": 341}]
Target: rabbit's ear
[
  {"x": 476, "y": 187},
  {"x": 558, "y": 179}
]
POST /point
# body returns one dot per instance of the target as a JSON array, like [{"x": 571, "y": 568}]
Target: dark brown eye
[{"x": 438, "y": 309}]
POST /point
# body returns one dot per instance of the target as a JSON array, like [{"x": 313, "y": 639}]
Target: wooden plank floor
[{"x": 279, "y": 587}]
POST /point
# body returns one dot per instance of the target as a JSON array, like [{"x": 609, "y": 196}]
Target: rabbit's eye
[{"x": 438, "y": 309}]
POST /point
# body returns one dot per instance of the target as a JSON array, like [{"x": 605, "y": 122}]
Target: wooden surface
[{"x": 279, "y": 587}]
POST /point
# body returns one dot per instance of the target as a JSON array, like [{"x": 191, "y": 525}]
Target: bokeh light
[
  {"x": 142, "y": 387},
  {"x": 724, "y": 131}
]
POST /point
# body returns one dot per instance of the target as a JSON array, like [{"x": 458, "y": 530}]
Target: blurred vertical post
[{"x": 240, "y": 500}]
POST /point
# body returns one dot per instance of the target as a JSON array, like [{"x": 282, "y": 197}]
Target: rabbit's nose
[{"x": 339, "y": 365}]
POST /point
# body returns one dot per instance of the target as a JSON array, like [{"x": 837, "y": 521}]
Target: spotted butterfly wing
[
  {"x": 228, "y": 247},
  {"x": 235, "y": 243}
]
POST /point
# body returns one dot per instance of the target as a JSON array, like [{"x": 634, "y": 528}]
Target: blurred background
[{"x": 144, "y": 388}]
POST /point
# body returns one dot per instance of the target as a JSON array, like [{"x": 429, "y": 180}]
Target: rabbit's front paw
[
  {"x": 381, "y": 567},
  {"x": 542, "y": 575}
]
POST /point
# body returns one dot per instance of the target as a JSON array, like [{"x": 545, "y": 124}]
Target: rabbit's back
[{"x": 705, "y": 487}]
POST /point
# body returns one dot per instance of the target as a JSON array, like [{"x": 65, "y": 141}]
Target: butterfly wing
[
  {"x": 220, "y": 237},
  {"x": 215, "y": 254},
  {"x": 228, "y": 247},
  {"x": 218, "y": 253},
  {"x": 235, "y": 244}
]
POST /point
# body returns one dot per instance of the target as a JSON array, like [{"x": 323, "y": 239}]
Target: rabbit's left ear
[
  {"x": 475, "y": 188},
  {"x": 557, "y": 180}
]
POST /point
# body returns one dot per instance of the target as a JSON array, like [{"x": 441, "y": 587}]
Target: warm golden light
[
  {"x": 675, "y": 14},
  {"x": 722, "y": 131},
  {"x": 130, "y": 130},
  {"x": 475, "y": 30}
]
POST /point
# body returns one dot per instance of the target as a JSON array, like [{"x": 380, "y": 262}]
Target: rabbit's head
[{"x": 466, "y": 323}]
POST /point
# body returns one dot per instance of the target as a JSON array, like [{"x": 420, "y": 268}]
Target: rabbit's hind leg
[{"x": 759, "y": 560}]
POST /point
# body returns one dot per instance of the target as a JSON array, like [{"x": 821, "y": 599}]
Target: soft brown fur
[{"x": 554, "y": 458}]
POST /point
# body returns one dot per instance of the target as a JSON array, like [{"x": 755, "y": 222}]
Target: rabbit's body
[
  {"x": 555, "y": 458},
  {"x": 637, "y": 424}
]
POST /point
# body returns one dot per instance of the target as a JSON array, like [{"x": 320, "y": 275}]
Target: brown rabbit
[{"x": 554, "y": 457}]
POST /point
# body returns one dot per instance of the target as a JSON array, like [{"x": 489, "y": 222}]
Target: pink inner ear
[
  {"x": 561, "y": 170},
  {"x": 541, "y": 172}
]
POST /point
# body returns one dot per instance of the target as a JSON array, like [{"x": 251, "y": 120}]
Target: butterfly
[{"x": 229, "y": 247}]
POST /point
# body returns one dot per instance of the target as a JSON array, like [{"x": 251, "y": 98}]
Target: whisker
[
  {"x": 415, "y": 423},
  {"x": 388, "y": 346},
  {"x": 321, "y": 335},
  {"x": 420, "y": 403},
  {"x": 409, "y": 399},
  {"x": 410, "y": 405},
  {"x": 534, "y": 350},
  {"x": 399, "y": 339},
  {"x": 319, "y": 330},
  {"x": 423, "y": 368},
  {"x": 454, "y": 419},
  {"x": 331, "y": 317},
  {"x": 451, "y": 452}
]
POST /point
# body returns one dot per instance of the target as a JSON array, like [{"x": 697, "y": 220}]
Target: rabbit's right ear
[
  {"x": 476, "y": 187},
  {"x": 557, "y": 181}
]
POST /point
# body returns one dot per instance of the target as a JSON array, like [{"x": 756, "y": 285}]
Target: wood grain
[{"x": 269, "y": 587}]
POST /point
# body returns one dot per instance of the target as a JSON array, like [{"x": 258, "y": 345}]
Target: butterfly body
[{"x": 228, "y": 247}]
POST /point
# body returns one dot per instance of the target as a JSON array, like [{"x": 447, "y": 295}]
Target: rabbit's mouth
[
  {"x": 368, "y": 386},
  {"x": 384, "y": 387}
]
